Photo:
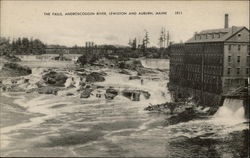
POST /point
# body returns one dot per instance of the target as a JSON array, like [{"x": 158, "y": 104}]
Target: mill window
[
  {"x": 238, "y": 71},
  {"x": 229, "y": 59},
  {"x": 247, "y": 70},
  {"x": 238, "y": 47},
  {"x": 238, "y": 59},
  {"x": 228, "y": 71},
  {"x": 248, "y": 50},
  {"x": 229, "y": 47}
]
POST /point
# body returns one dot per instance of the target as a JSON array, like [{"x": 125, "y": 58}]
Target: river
[{"x": 58, "y": 125}]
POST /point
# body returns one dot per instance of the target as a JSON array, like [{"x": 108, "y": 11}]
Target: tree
[
  {"x": 145, "y": 41},
  {"x": 25, "y": 46},
  {"x": 38, "y": 47},
  {"x": 5, "y": 48}
]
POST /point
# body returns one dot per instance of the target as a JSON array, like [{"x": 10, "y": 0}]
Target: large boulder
[
  {"x": 14, "y": 69},
  {"x": 111, "y": 93},
  {"x": 185, "y": 116},
  {"x": 86, "y": 93},
  {"x": 55, "y": 78},
  {"x": 95, "y": 77},
  {"x": 134, "y": 95}
]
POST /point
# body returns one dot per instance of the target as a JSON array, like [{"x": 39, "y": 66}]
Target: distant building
[{"x": 212, "y": 62}]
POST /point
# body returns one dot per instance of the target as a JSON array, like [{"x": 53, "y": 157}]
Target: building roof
[{"x": 220, "y": 35}]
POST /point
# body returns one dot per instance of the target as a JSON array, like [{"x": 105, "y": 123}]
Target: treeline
[
  {"x": 21, "y": 46},
  {"x": 25, "y": 46},
  {"x": 28, "y": 46}
]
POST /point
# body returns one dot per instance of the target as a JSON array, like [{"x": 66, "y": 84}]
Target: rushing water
[
  {"x": 60, "y": 125},
  {"x": 155, "y": 63}
]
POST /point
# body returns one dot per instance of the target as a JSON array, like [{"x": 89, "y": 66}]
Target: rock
[
  {"x": 111, "y": 93},
  {"x": 14, "y": 69},
  {"x": 40, "y": 84},
  {"x": 134, "y": 95},
  {"x": 44, "y": 90},
  {"x": 185, "y": 116},
  {"x": 141, "y": 70},
  {"x": 109, "y": 96},
  {"x": 12, "y": 88},
  {"x": 95, "y": 77},
  {"x": 55, "y": 78},
  {"x": 47, "y": 90},
  {"x": 134, "y": 77},
  {"x": 86, "y": 93},
  {"x": 124, "y": 72},
  {"x": 146, "y": 94},
  {"x": 69, "y": 94}
]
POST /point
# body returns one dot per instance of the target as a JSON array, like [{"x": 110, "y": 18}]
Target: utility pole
[
  {"x": 162, "y": 38},
  {"x": 168, "y": 38}
]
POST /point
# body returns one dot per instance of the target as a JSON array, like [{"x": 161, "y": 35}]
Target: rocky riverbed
[{"x": 98, "y": 110}]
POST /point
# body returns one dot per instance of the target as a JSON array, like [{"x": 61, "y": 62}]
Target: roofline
[
  {"x": 205, "y": 42},
  {"x": 236, "y": 33},
  {"x": 232, "y": 42}
]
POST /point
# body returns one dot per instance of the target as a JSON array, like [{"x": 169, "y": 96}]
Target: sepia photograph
[{"x": 124, "y": 78}]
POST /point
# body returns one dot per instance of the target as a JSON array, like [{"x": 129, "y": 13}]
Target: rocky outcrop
[
  {"x": 134, "y": 77},
  {"x": 124, "y": 72},
  {"x": 111, "y": 93},
  {"x": 55, "y": 78},
  {"x": 187, "y": 115},
  {"x": 86, "y": 93},
  {"x": 14, "y": 70},
  {"x": 141, "y": 71},
  {"x": 95, "y": 77},
  {"x": 45, "y": 90},
  {"x": 134, "y": 95}
]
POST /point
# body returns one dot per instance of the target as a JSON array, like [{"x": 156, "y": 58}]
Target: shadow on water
[
  {"x": 72, "y": 138},
  {"x": 235, "y": 145}
]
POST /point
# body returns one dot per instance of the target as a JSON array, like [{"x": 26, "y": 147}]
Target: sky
[{"x": 28, "y": 19}]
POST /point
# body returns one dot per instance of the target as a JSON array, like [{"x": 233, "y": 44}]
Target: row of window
[
  {"x": 229, "y": 71},
  {"x": 238, "y": 47},
  {"x": 208, "y": 36},
  {"x": 229, "y": 59}
]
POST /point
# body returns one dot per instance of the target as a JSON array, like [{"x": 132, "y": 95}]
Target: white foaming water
[
  {"x": 155, "y": 63},
  {"x": 232, "y": 112}
]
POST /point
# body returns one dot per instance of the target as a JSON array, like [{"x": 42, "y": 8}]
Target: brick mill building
[{"x": 211, "y": 63}]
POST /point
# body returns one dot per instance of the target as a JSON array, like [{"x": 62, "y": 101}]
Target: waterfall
[{"x": 232, "y": 111}]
